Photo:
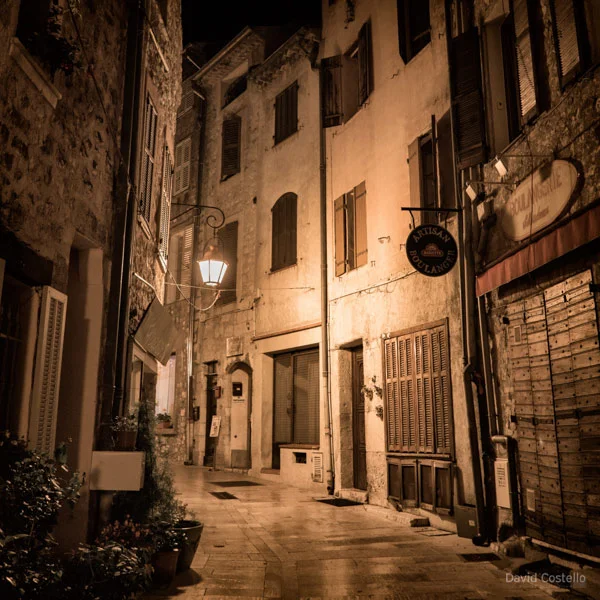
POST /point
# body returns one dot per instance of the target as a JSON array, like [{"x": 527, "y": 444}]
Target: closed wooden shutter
[
  {"x": 407, "y": 407},
  {"x": 349, "y": 203},
  {"x": 165, "y": 204},
  {"x": 403, "y": 30},
  {"x": 229, "y": 237},
  {"x": 392, "y": 395},
  {"x": 445, "y": 162},
  {"x": 231, "y": 147},
  {"x": 282, "y": 399},
  {"x": 525, "y": 64},
  {"x": 185, "y": 259},
  {"x": 331, "y": 74},
  {"x": 284, "y": 228},
  {"x": 339, "y": 208},
  {"x": 467, "y": 99},
  {"x": 148, "y": 157},
  {"x": 286, "y": 113},
  {"x": 414, "y": 174},
  {"x": 365, "y": 63},
  {"x": 360, "y": 224},
  {"x": 306, "y": 398},
  {"x": 567, "y": 44},
  {"x": 187, "y": 97},
  {"x": 441, "y": 390},
  {"x": 46, "y": 378},
  {"x": 424, "y": 392},
  {"x": 183, "y": 155}
]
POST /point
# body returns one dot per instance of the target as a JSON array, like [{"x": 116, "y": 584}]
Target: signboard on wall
[
  {"x": 431, "y": 250},
  {"x": 215, "y": 426},
  {"x": 539, "y": 200}
]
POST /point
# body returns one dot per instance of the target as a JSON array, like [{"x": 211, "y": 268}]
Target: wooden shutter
[
  {"x": 467, "y": 99},
  {"x": 229, "y": 237},
  {"x": 403, "y": 30},
  {"x": 567, "y": 43},
  {"x": 306, "y": 398},
  {"x": 365, "y": 63},
  {"x": 283, "y": 238},
  {"x": 331, "y": 74},
  {"x": 282, "y": 399},
  {"x": 525, "y": 63},
  {"x": 392, "y": 394},
  {"x": 183, "y": 156},
  {"x": 231, "y": 141},
  {"x": 286, "y": 113},
  {"x": 186, "y": 246},
  {"x": 423, "y": 380},
  {"x": 187, "y": 97},
  {"x": 291, "y": 226},
  {"x": 445, "y": 162},
  {"x": 46, "y": 378},
  {"x": 147, "y": 173},
  {"x": 339, "y": 207},
  {"x": 407, "y": 398},
  {"x": 360, "y": 224},
  {"x": 350, "y": 198},
  {"x": 441, "y": 390},
  {"x": 414, "y": 174},
  {"x": 165, "y": 204}
]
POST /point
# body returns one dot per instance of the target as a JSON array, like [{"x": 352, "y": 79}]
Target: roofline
[{"x": 219, "y": 55}]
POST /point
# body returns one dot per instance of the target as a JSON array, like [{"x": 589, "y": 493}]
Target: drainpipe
[
  {"x": 325, "y": 390},
  {"x": 466, "y": 276}
]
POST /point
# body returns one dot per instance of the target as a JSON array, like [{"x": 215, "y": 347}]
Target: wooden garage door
[{"x": 555, "y": 363}]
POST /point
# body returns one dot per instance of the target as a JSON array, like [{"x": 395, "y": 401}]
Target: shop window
[
  {"x": 148, "y": 160},
  {"x": 231, "y": 147},
  {"x": 286, "y": 113},
  {"x": 350, "y": 222},
  {"x": 229, "y": 236},
  {"x": 347, "y": 80},
  {"x": 414, "y": 28},
  {"x": 284, "y": 226}
]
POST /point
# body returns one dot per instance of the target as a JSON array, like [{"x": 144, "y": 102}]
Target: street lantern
[{"x": 212, "y": 264}]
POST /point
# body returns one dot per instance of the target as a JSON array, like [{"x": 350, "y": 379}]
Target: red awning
[{"x": 563, "y": 239}]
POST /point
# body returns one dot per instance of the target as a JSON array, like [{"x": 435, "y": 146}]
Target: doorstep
[
  {"x": 398, "y": 516},
  {"x": 353, "y": 494}
]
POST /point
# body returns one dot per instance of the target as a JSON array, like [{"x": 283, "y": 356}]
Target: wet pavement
[{"x": 276, "y": 541}]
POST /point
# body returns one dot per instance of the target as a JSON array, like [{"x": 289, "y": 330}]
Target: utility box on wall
[{"x": 117, "y": 471}]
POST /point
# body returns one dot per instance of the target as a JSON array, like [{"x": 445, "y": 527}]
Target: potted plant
[
  {"x": 168, "y": 543},
  {"x": 192, "y": 528},
  {"x": 164, "y": 420},
  {"x": 125, "y": 430}
]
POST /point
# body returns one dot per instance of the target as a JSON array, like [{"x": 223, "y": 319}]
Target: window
[
  {"x": 183, "y": 155},
  {"x": 417, "y": 392},
  {"x": 234, "y": 89},
  {"x": 295, "y": 400},
  {"x": 231, "y": 147},
  {"x": 414, "y": 29},
  {"x": 350, "y": 223},
  {"x": 165, "y": 205},
  {"x": 187, "y": 98},
  {"x": 283, "y": 244},
  {"x": 229, "y": 236},
  {"x": 180, "y": 265},
  {"x": 165, "y": 391},
  {"x": 431, "y": 171},
  {"x": 286, "y": 113},
  {"x": 577, "y": 43},
  {"x": 347, "y": 80},
  {"x": 148, "y": 159}
]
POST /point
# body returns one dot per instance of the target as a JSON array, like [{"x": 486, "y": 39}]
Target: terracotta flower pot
[
  {"x": 165, "y": 565},
  {"x": 193, "y": 531},
  {"x": 125, "y": 440}
]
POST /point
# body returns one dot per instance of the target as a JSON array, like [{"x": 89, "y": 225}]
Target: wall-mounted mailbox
[
  {"x": 196, "y": 413},
  {"x": 237, "y": 389},
  {"x": 117, "y": 471}
]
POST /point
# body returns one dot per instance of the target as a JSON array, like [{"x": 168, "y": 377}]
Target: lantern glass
[{"x": 213, "y": 266}]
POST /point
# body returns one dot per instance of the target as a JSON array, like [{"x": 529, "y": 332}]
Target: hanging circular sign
[{"x": 431, "y": 250}]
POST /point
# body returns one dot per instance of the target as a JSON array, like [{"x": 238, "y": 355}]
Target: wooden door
[
  {"x": 211, "y": 411},
  {"x": 359, "y": 444}
]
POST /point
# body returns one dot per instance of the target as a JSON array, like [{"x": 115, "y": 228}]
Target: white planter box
[{"x": 117, "y": 471}]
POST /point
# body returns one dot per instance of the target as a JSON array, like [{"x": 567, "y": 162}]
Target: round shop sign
[{"x": 431, "y": 250}]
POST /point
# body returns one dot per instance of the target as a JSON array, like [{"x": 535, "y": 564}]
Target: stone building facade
[{"x": 66, "y": 110}]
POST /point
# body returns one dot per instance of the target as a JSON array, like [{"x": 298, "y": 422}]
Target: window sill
[
  {"x": 227, "y": 177},
  {"x": 34, "y": 71},
  {"x": 300, "y": 446},
  {"x": 287, "y": 137},
  {"x": 280, "y": 269}
]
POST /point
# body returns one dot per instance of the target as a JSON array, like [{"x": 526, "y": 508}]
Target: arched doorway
[{"x": 241, "y": 415}]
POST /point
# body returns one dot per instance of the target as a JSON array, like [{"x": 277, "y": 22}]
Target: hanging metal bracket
[{"x": 410, "y": 209}]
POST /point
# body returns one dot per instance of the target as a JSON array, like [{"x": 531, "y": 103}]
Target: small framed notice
[{"x": 215, "y": 426}]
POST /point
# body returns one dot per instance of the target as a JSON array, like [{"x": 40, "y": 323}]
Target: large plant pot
[
  {"x": 165, "y": 566},
  {"x": 193, "y": 531},
  {"x": 125, "y": 440}
]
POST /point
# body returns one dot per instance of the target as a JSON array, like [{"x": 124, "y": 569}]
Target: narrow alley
[{"x": 277, "y": 541}]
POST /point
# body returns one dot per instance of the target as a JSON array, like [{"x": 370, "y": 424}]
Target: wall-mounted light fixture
[
  {"x": 471, "y": 191},
  {"x": 500, "y": 167}
]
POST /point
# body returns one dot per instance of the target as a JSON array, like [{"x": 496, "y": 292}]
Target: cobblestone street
[{"x": 276, "y": 541}]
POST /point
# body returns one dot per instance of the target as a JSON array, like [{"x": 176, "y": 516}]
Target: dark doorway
[
  {"x": 211, "y": 411},
  {"x": 359, "y": 445}
]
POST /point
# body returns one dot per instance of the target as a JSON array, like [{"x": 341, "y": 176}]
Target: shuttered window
[
  {"x": 414, "y": 28},
  {"x": 46, "y": 378},
  {"x": 284, "y": 236},
  {"x": 165, "y": 204},
  {"x": 231, "y": 147},
  {"x": 417, "y": 392},
  {"x": 180, "y": 264},
  {"x": 148, "y": 160},
  {"x": 331, "y": 75},
  {"x": 526, "y": 74},
  {"x": 365, "y": 66},
  {"x": 229, "y": 236},
  {"x": 183, "y": 158},
  {"x": 296, "y": 398},
  {"x": 286, "y": 113},
  {"x": 467, "y": 99},
  {"x": 187, "y": 98},
  {"x": 350, "y": 222}
]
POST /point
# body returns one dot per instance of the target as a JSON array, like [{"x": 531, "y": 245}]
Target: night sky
[{"x": 218, "y": 21}]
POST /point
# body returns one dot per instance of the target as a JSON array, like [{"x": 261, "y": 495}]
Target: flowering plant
[
  {"x": 163, "y": 417},
  {"x": 125, "y": 423},
  {"x": 130, "y": 534}
]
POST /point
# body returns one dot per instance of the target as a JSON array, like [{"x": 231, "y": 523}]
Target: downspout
[
  {"x": 325, "y": 389},
  {"x": 466, "y": 275}
]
